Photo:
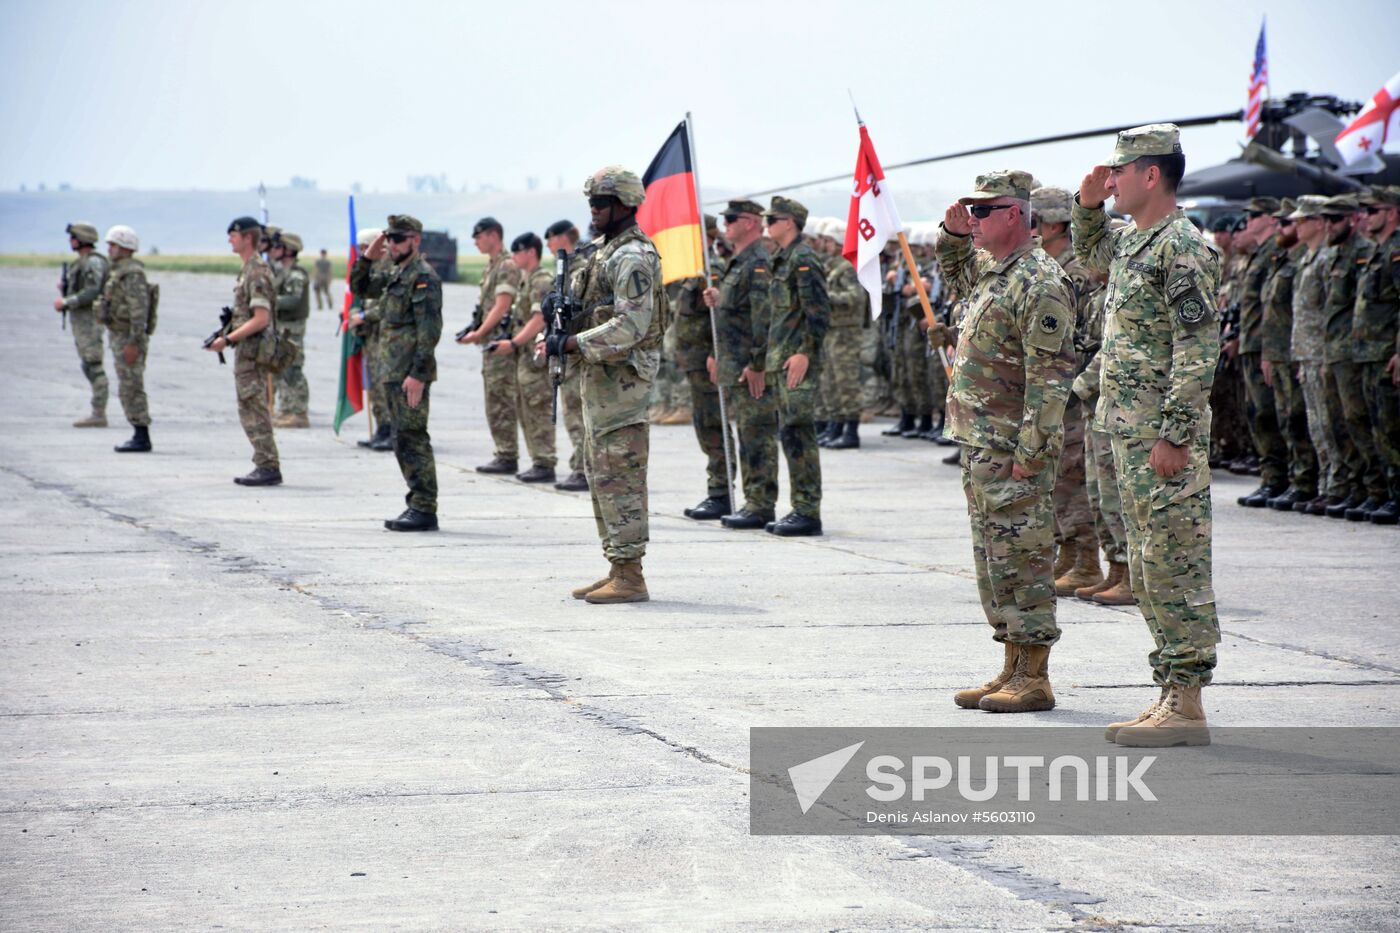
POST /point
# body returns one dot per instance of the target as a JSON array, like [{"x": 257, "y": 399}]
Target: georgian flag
[
  {"x": 872, "y": 221},
  {"x": 1376, "y": 124}
]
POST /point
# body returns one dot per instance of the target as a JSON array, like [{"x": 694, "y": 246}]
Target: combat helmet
[{"x": 616, "y": 181}]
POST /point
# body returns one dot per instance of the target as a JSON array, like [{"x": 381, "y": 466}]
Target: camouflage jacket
[
  {"x": 126, "y": 301},
  {"x": 86, "y": 276},
  {"x": 529, "y": 301},
  {"x": 745, "y": 310},
  {"x": 1160, "y": 341},
  {"x": 1374, "y": 331},
  {"x": 323, "y": 272},
  {"x": 500, "y": 278},
  {"x": 1015, "y": 354},
  {"x": 1257, "y": 272},
  {"x": 254, "y": 289},
  {"x": 1309, "y": 299},
  {"x": 1276, "y": 323},
  {"x": 1343, "y": 266},
  {"x": 694, "y": 338},
  {"x": 370, "y": 306},
  {"x": 410, "y": 315},
  {"x": 1231, "y": 285},
  {"x": 801, "y": 308},
  {"x": 294, "y": 295},
  {"x": 1086, "y": 384},
  {"x": 1087, "y": 334},
  {"x": 850, "y": 305}
]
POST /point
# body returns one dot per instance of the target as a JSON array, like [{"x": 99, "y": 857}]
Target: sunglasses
[
  {"x": 1374, "y": 208},
  {"x": 776, "y": 220},
  {"x": 731, "y": 218},
  {"x": 983, "y": 211},
  {"x": 396, "y": 237},
  {"x": 1285, "y": 222},
  {"x": 602, "y": 202}
]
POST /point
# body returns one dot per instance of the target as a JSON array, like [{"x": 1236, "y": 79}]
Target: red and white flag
[
  {"x": 1376, "y": 124},
  {"x": 871, "y": 222}
]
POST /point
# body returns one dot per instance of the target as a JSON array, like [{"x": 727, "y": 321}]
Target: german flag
[{"x": 670, "y": 215}]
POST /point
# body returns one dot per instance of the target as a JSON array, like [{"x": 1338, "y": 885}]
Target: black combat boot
[
  {"x": 140, "y": 442},
  {"x": 1285, "y": 502},
  {"x": 1340, "y": 509},
  {"x": 262, "y": 476},
  {"x": 905, "y": 423},
  {"x": 1260, "y": 497},
  {"x": 574, "y": 482},
  {"x": 954, "y": 458},
  {"x": 848, "y": 439},
  {"x": 925, "y": 427},
  {"x": 1387, "y": 514},
  {"x": 386, "y": 442},
  {"x": 795, "y": 526},
  {"x": 413, "y": 520},
  {"x": 709, "y": 509},
  {"x": 537, "y": 473},
  {"x": 381, "y": 433},
  {"x": 822, "y": 427},
  {"x": 499, "y": 465},
  {"x": 1362, "y": 512},
  {"x": 744, "y": 519}
]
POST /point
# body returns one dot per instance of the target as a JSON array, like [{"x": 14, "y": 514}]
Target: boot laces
[
  {"x": 1169, "y": 704},
  {"x": 1020, "y": 675}
]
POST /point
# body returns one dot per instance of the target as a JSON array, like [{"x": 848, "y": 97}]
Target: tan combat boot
[
  {"x": 968, "y": 699},
  {"x": 1178, "y": 720},
  {"x": 95, "y": 420},
  {"x": 1110, "y": 731},
  {"x": 677, "y": 416},
  {"x": 1084, "y": 572},
  {"x": 1028, "y": 690},
  {"x": 1116, "y": 572},
  {"x": 1121, "y": 593},
  {"x": 626, "y": 586},
  {"x": 583, "y": 591},
  {"x": 1064, "y": 560},
  {"x": 291, "y": 421}
]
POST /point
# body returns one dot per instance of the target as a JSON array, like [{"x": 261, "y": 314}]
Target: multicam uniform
[
  {"x": 1308, "y": 341},
  {"x": 125, "y": 308},
  {"x": 86, "y": 276},
  {"x": 1074, "y": 515},
  {"x": 293, "y": 310},
  {"x": 498, "y": 373},
  {"x": 535, "y": 393},
  {"x": 255, "y": 289}
]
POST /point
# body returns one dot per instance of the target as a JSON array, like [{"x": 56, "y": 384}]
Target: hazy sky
[{"x": 142, "y": 94}]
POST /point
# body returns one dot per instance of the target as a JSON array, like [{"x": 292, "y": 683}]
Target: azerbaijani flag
[
  {"x": 351, "y": 396},
  {"x": 670, "y": 215}
]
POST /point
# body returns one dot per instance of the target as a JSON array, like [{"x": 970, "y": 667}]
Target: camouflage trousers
[
  {"x": 1012, "y": 546},
  {"x": 910, "y": 378},
  {"x": 937, "y": 380},
  {"x": 293, "y": 394},
  {"x": 1169, "y": 558},
  {"x": 757, "y": 423},
  {"x": 378, "y": 398},
  {"x": 251, "y": 383},
  {"x": 1101, "y": 480},
  {"x": 874, "y": 368},
  {"x": 131, "y": 382},
  {"x": 1319, "y": 428},
  {"x": 413, "y": 447},
  {"x": 669, "y": 390},
  {"x": 1356, "y": 442},
  {"x": 1229, "y": 438},
  {"x": 1074, "y": 516},
  {"x": 1263, "y": 423},
  {"x": 1291, "y": 415},
  {"x": 571, "y": 405},
  {"x": 616, "y": 466},
  {"x": 840, "y": 376},
  {"x": 87, "y": 337},
  {"x": 705, "y": 416},
  {"x": 498, "y": 374},
  {"x": 797, "y": 432},
  {"x": 1383, "y": 402},
  {"x": 323, "y": 290},
  {"x": 535, "y": 402}
]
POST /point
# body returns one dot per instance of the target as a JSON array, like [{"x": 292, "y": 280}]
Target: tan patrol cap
[
  {"x": 1262, "y": 205},
  {"x": 1341, "y": 204},
  {"x": 1309, "y": 205},
  {"x": 1009, "y": 183},
  {"x": 1150, "y": 140},
  {"x": 1051, "y": 204},
  {"x": 1286, "y": 207},
  {"x": 291, "y": 241},
  {"x": 403, "y": 223}
]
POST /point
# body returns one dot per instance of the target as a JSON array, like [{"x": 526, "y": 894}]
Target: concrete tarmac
[{"x": 257, "y": 709}]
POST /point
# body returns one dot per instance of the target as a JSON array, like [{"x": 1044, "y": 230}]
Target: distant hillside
[{"x": 193, "y": 222}]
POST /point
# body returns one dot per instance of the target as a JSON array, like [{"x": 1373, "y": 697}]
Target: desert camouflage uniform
[
  {"x": 800, "y": 318},
  {"x": 255, "y": 289},
  {"x": 620, "y": 345},
  {"x": 850, "y": 308},
  {"x": 1275, "y": 340},
  {"x": 409, "y": 306},
  {"x": 1160, "y": 346},
  {"x": 745, "y": 308},
  {"x": 1006, "y": 405},
  {"x": 1263, "y": 423},
  {"x": 86, "y": 276},
  {"x": 535, "y": 391},
  {"x": 1308, "y": 343},
  {"x": 125, "y": 309},
  {"x": 1375, "y": 339},
  {"x": 498, "y": 373},
  {"x": 694, "y": 344},
  {"x": 293, "y": 310}
]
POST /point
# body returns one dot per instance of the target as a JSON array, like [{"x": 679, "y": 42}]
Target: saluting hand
[
  {"x": 377, "y": 248},
  {"x": 1093, "y": 190},
  {"x": 957, "y": 220}
]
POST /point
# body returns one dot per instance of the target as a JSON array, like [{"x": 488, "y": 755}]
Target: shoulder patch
[
  {"x": 638, "y": 283},
  {"x": 1191, "y": 310},
  {"x": 1049, "y": 323}
]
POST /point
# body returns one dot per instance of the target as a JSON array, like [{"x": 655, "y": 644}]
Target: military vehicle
[{"x": 440, "y": 249}]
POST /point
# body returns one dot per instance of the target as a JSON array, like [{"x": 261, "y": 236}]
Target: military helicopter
[{"x": 1262, "y": 168}]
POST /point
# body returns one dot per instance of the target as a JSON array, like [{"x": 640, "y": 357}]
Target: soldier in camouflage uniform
[
  {"x": 500, "y": 284},
  {"x": 1277, "y": 369},
  {"x": 293, "y": 310},
  {"x": 1308, "y": 341},
  {"x": 1006, "y": 406},
  {"x": 840, "y": 374},
  {"x": 1077, "y": 563},
  {"x": 409, "y": 293},
  {"x": 85, "y": 278},
  {"x": 1230, "y": 443},
  {"x": 1160, "y": 346},
  {"x": 364, "y": 321},
  {"x": 252, "y": 333},
  {"x": 323, "y": 281},
  {"x": 563, "y": 234},
  {"x": 1374, "y": 335},
  {"x": 743, "y": 306},
  {"x": 127, "y": 311},
  {"x": 695, "y": 348},
  {"x": 1263, "y": 423},
  {"x": 534, "y": 391},
  {"x": 619, "y": 344}
]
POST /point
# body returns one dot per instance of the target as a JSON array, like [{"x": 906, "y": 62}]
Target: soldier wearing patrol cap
[
  {"x": 364, "y": 322},
  {"x": 799, "y": 322},
  {"x": 1306, "y": 345},
  {"x": 840, "y": 375},
  {"x": 252, "y": 332},
  {"x": 1006, "y": 407},
  {"x": 500, "y": 284},
  {"x": 293, "y": 309},
  {"x": 409, "y": 295},
  {"x": 618, "y": 349},
  {"x": 80, "y": 288},
  {"x": 1374, "y": 342},
  {"x": 1160, "y": 346},
  {"x": 1264, "y": 260}
]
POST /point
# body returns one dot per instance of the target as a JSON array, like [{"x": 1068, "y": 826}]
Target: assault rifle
[
  {"x": 225, "y": 319},
  {"x": 560, "y": 310}
]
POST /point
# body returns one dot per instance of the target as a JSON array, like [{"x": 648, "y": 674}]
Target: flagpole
[{"x": 714, "y": 327}]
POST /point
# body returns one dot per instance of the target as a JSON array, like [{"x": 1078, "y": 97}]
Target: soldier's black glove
[
  {"x": 551, "y": 300},
  {"x": 554, "y": 345}
]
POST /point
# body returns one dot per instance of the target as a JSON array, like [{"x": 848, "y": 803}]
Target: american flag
[{"x": 1258, "y": 81}]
